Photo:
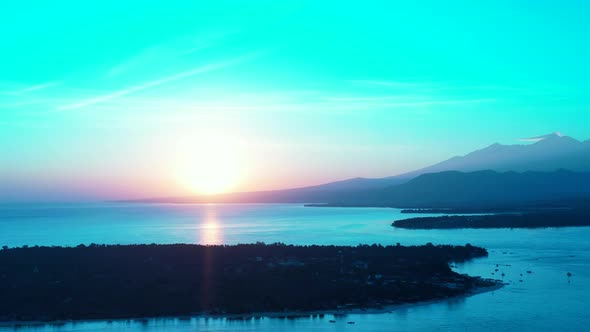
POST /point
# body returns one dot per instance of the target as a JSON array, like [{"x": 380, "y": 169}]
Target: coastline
[
  {"x": 269, "y": 314},
  {"x": 550, "y": 219}
]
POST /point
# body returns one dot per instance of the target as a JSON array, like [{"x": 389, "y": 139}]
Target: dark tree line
[
  {"x": 564, "y": 218},
  {"x": 100, "y": 281}
]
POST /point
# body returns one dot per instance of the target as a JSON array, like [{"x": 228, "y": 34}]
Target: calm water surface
[{"x": 545, "y": 300}]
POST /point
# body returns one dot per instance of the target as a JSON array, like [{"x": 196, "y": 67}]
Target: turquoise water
[{"x": 545, "y": 300}]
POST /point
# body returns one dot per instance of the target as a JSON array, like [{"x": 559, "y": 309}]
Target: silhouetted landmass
[
  {"x": 478, "y": 190},
  {"x": 550, "y": 153},
  {"x": 489, "y": 210},
  {"x": 349, "y": 204},
  {"x": 328, "y": 192},
  {"x": 544, "y": 206},
  {"x": 97, "y": 281},
  {"x": 461, "y": 210},
  {"x": 569, "y": 218}
]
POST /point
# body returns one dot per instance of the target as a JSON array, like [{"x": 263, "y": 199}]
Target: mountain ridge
[
  {"x": 548, "y": 153},
  {"x": 485, "y": 188}
]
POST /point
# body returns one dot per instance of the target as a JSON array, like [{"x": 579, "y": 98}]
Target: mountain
[
  {"x": 481, "y": 189},
  {"x": 548, "y": 153},
  {"x": 449, "y": 189}
]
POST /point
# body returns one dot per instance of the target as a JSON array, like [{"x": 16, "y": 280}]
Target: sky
[{"x": 127, "y": 99}]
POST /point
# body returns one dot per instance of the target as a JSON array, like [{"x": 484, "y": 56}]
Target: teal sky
[{"x": 115, "y": 99}]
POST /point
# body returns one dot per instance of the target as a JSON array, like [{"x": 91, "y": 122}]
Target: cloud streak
[
  {"x": 151, "y": 84},
  {"x": 39, "y": 87},
  {"x": 393, "y": 84},
  {"x": 540, "y": 138},
  {"x": 172, "y": 50}
]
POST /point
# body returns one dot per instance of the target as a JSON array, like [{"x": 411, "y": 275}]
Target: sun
[{"x": 210, "y": 167}]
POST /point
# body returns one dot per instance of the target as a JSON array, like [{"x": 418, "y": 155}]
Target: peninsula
[
  {"x": 130, "y": 281},
  {"x": 551, "y": 218}
]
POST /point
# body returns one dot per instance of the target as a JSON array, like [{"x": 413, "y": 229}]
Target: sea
[{"x": 539, "y": 295}]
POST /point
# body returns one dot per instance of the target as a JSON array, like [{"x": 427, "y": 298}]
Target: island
[
  {"x": 135, "y": 281},
  {"x": 477, "y": 210},
  {"x": 551, "y": 218}
]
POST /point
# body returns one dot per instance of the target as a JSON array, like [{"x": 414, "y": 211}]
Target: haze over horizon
[{"x": 118, "y": 100}]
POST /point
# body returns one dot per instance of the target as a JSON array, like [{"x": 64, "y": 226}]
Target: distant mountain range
[
  {"x": 456, "y": 189},
  {"x": 555, "y": 166},
  {"x": 549, "y": 153}
]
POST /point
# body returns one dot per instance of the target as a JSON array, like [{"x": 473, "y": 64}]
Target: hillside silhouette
[{"x": 554, "y": 167}]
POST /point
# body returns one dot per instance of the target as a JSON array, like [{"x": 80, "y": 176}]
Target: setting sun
[{"x": 210, "y": 166}]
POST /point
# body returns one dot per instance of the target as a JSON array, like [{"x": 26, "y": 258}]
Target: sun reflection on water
[{"x": 211, "y": 231}]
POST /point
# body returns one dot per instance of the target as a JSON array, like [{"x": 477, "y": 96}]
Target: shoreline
[
  {"x": 528, "y": 220},
  {"x": 120, "y": 281},
  {"x": 268, "y": 314}
]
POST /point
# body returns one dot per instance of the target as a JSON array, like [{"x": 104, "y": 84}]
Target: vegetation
[
  {"x": 552, "y": 218},
  {"x": 98, "y": 281}
]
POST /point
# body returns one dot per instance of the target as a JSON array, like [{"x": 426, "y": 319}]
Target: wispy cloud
[
  {"x": 168, "y": 51},
  {"x": 37, "y": 87},
  {"x": 18, "y": 88},
  {"x": 151, "y": 84},
  {"x": 451, "y": 92},
  {"x": 441, "y": 102},
  {"x": 540, "y": 138},
  {"x": 396, "y": 84},
  {"x": 312, "y": 104},
  {"x": 212, "y": 39}
]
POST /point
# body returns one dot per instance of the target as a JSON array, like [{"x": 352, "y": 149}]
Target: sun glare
[{"x": 211, "y": 167}]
